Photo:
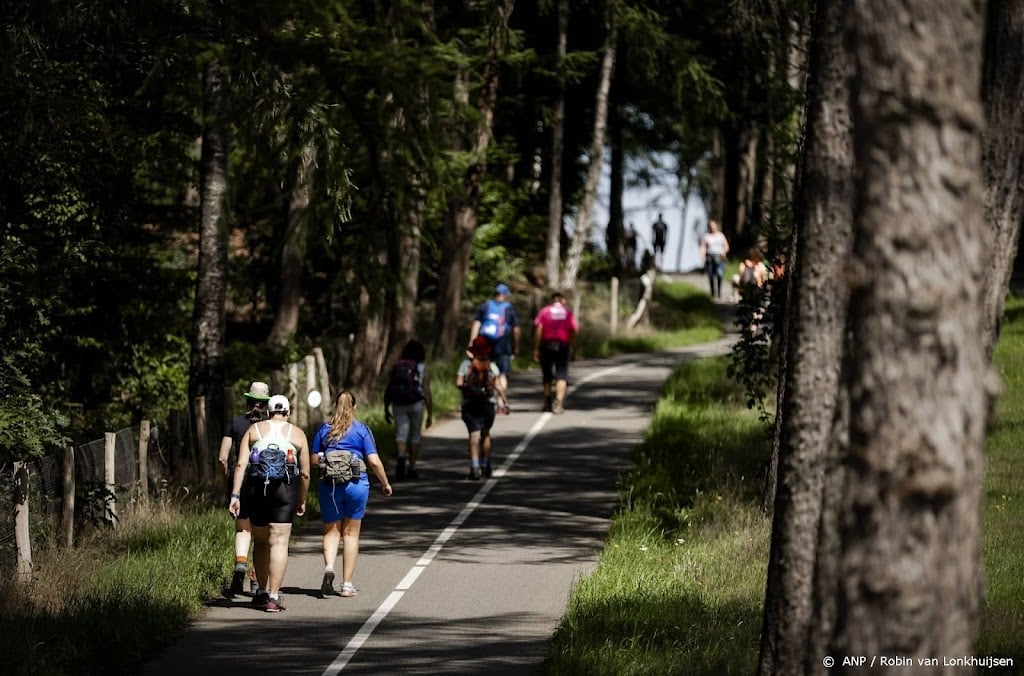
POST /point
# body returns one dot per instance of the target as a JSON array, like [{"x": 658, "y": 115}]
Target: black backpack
[{"x": 404, "y": 386}]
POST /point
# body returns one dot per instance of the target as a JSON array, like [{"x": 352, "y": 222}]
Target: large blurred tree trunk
[
  {"x": 293, "y": 252},
  {"x": 1003, "y": 91},
  {"x": 817, "y": 307},
  {"x": 584, "y": 218},
  {"x": 206, "y": 370},
  {"x": 906, "y": 577},
  {"x": 461, "y": 222},
  {"x": 553, "y": 251}
]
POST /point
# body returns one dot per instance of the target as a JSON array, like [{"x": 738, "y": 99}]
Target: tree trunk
[
  {"x": 293, "y": 253},
  {"x": 552, "y": 257},
  {"x": 581, "y": 233},
  {"x": 909, "y": 568},
  {"x": 616, "y": 228},
  {"x": 206, "y": 373},
  {"x": 816, "y": 309},
  {"x": 461, "y": 223},
  {"x": 368, "y": 351},
  {"x": 1003, "y": 91}
]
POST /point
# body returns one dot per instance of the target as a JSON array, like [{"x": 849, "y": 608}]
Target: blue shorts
[
  {"x": 344, "y": 501},
  {"x": 504, "y": 362}
]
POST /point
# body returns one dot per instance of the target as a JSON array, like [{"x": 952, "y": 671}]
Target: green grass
[
  {"x": 679, "y": 585},
  {"x": 1002, "y": 621},
  {"x": 680, "y": 582},
  {"x": 104, "y": 606}
]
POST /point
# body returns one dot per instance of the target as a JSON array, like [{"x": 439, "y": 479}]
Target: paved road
[{"x": 455, "y": 576}]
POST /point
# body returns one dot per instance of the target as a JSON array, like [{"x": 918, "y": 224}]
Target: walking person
[
  {"x": 714, "y": 251},
  {"x": 256, "y": 402},
  {"x": 660, "y": 231},
  {"x": 555, "y": 343},
  {"x": 497, "y": 321},
  {"x": 273, "y": 465},
  {"x": 343, "y": 500},
  {"x": 408, "y": 397},
  {"x": 478, "y": 380}
]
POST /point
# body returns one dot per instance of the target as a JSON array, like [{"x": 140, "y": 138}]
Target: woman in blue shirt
[{"x": 342, "y": 506}]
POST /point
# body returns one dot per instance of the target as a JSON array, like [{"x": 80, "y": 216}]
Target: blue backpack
[
  {"x": 271, "y": 462},
  {"x": 494, "y": 327}
]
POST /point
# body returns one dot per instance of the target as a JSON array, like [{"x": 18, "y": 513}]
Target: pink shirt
[{"x": 556, "y": 322}]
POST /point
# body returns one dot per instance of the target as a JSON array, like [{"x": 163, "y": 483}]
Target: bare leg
[
  {"x": 332, "y": 537},
  {"x": 243, "y": 538},
  {"x": 261, "y": 555},
  {"x": 560, "y": 388},
  {"x": 280, "y": 533},
  {"x": 350, "y": 547},
  {"x": 474, "y": 448},
  {"x": 485, "y": 446},
  {"x": 414, "y": 451}
]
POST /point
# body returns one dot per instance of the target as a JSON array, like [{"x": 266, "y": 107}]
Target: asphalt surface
[{"x": 456, "y": 576}]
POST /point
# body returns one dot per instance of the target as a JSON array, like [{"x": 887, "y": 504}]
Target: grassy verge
[
  {"x": 1002, "y": 621},
  {"x": 102, "y": 607},
  {"x": 679, "y": 585}
]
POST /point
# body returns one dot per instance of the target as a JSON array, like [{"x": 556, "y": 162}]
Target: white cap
[{"x": 278, "y": 404}]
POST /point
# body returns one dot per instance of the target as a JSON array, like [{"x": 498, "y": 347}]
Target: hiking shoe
[
  {"x": 237, "y": 579},
  {"x": 547, "y": 405},
  {"x": 327, "y": 586},
  {"x": 348, "y": 590},
  {"x": 260, "y": 600},
  {"x": 274, "y": 605},
  {"x": 474, "y": 474},
  {"x": 556, "y": 408},
  {"x": 400, "y": 472},
  {"x": 411, "y": 474}
]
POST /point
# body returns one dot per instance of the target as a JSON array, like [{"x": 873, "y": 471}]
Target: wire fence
[{"x": 46, "y": 487}]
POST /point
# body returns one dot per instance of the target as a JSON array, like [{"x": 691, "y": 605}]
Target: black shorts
[
  {"x": 478, "y": 416},
  {"x": 273, "y": 502},
  {"x": 554, "y": 361}
]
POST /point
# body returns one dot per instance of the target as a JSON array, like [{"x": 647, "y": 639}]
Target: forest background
[{"x": 198, "y": 192}]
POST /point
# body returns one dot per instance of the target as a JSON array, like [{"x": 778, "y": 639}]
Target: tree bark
[
  {"x": 553, "y": 251},
  {"x": 293, "y": 252},
  {"x": 206, "y": 372},
  {"x": 584, "y": 225},
  {"x": 1002, "y": 91},
  {"x": 908, "y": 564},
  {"x": 816, "y": 308},
  {"x": 460, "y": 225},
  {"x": 616, "y": 227},
  {"x": 368, "y": 350}
]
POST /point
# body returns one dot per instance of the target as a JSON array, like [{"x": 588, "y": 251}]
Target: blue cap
[{"x": 502, "y": 289}]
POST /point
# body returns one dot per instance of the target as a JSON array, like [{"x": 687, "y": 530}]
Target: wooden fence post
[
  {"x": 312, "y": 418},
  {"x": 202, "y": 443},
  {"x": 613, "y": 321},
  {"x": 109, "y": 477},
  {"x": 144, "y": 459},
  {"x": 326, "y": 403},
  {"x": 67, "y": 515},
  {"x": 22, "y": 534}
]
